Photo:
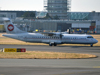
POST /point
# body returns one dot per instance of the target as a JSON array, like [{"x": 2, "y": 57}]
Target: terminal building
[
  {"x": 55, "y": 25},
  {"x": 79, "y": 20},
  {"x": 19, "y": 13},
  {"x": 89, "y": 16},
  {"x": 10, "y": 15},
  {"x": 87, "y": 21}
]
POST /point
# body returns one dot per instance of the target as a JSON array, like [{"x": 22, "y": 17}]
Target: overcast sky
[{"x": 76, "y": 5}]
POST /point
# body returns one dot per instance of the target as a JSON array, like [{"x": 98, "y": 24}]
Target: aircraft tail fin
[{"x": 10, "y": 27}]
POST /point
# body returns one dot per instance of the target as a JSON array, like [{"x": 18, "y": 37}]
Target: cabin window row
[
  {"x": 73, "y": 38},
  {"x": 46, "y": 37}
]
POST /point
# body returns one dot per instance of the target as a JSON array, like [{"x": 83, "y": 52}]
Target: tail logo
[{"x": 10, "y": 27}]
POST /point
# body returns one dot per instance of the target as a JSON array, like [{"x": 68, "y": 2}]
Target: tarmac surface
[{"x": 52, "y": 66}]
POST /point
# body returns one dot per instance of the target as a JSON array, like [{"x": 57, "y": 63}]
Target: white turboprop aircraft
[{"x": 49, "y": 38}]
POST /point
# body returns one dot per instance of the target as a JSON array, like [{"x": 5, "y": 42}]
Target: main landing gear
[
  {"x": 50, "y": 44},
  {"x": 91, "y": 45}
]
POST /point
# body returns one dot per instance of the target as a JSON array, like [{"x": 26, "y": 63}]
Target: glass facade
[
  {"x": 41, "y": 15},
  {"x": 2, "y": 15},
  {"x": 79, "y": 16}
]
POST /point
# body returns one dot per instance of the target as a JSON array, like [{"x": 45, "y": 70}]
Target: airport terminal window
[{"x": 1, "y": 15}]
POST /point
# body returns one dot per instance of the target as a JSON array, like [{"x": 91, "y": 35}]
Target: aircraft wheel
[
  {"x": 91, "y": 45},
  {"x": 55, "y": 44},
  {"x": 50, "y": 44}
]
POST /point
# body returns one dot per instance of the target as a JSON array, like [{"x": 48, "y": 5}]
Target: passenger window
[{"x": 89, "y": 37}]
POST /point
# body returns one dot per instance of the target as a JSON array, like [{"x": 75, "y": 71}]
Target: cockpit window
[{"x": 89, "y": 37}]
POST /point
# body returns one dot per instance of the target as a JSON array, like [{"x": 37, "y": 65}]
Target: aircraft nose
[{"x": 96, "y": 41}]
